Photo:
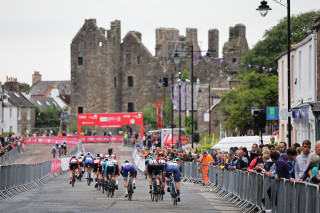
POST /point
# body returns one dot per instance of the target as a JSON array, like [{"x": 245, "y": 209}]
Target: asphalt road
[{"x": 58, "y": 195}]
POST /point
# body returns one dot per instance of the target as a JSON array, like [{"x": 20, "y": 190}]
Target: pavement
[{"x": 58, "y": 195}]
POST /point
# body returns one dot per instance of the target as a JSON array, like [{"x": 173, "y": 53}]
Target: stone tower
[{"x": 213, "y": 42}]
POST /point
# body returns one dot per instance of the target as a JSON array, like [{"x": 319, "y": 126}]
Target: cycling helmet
[
  {"x": 74, "y": 156},
  {"x": 101, "y": 155},
  {"x": 110, "y": 150},
  {"x": 113, "y": 156},
  {"x": 105, "y": 159},
  {"x": 88, "y": 153},
  {"x": 161, "y": 154},
  {"x": 126, "y": 161},
  {"x": 82, "y": 154},
  {"x": 115, "y": 161},
  {"x": 53, "y": 147},
  {"x": 97, "y": 155}
]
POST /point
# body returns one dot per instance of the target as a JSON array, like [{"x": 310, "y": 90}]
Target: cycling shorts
[
  {"x": 65, "y": 147},
  {"x": 73, "y": 165},
  {"x": 81, "y": 164},
  {"x": 176, "y": 172},
  {"x": 116, "y": 169},
  {"x": 153, "y": 169},
  {"x": 161, "y": 167},
  {"x": 87, "y": 163},
  {"x": 95, "y": 167},
  {"x": 109, "y": 170},
  {"x": 125, "y": 173}
]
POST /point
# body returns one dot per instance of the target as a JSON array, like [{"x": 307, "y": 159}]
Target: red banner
[
  {"x": 52, "y": 140},
  {"x": 161, "y": 115},
  {"x": 157, "y": 112},
  {"x": 55, "y": 166},
  {"x": 101, "y": 139}
]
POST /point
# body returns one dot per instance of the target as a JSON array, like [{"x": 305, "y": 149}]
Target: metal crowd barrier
[
  {"x": 17, "y": 178},
  {"x": 9, "y": 156},
  {"x": 252, "y": 192}
]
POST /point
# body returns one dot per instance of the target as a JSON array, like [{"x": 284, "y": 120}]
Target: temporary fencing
[
  {"x": 138, "y": 160},
  {"x": 9, "y": 156},
  {"x": 252, "y": 192}
]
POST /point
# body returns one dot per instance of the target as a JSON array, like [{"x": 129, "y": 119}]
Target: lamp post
[
  {"x": 207, "y": 59},
  {"x": 178, "y": 61},
  {"x": 264, "y": 8}
]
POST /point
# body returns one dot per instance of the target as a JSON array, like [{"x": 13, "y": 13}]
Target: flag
[
  {"x": 157, "y": 112},
  {"x": 161, "y": 114}
]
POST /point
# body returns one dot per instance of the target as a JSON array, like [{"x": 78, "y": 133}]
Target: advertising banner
[
  {"x": 102, "y": 139},
  {"x": 55, "y": 166},
  {"x": 52, "y": 140}
]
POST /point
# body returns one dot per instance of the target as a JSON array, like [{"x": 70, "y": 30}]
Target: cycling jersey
[
  {"x": 146, "y": 162},
  {"x": 73, "y": 163},
  {"x": 161, "y": 163},
  {"x": 54, "y": 150},
  {"x": 126, "y": 168},
  {"x": 108, "y": 167},
  {"x": 174, "y": 168},
  {"x": 153, "y": 168},
  {"x": 96, "y": 164},
  {"x": 88, "y": 160}
]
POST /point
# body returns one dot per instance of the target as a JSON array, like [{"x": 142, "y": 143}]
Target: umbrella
[
  {"x": 276, "y": 132},
  {"x": 168, "y": 140}
]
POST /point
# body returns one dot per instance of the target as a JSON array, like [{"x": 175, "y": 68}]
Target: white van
[{"x": 244, "y": 141}]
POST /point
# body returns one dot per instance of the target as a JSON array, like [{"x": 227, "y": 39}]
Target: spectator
[
  {"x": 292, "y": 154},
  {"x": 283, "y": 168},
  {"x": 302, "y": 160},
  {"x": 299, "y": 150},
  {"x": 205, "y": 160},
  {"x": 242, "y": 162},
  {"x": 273, "y": 142},
  {"x": 283, "y": 148},
  {"x": 296, "y": 145}
]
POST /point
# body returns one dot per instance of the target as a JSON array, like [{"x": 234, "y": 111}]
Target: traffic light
[
  {"x": 259, "y": 118},
  {"x": 196, "y": 137}
]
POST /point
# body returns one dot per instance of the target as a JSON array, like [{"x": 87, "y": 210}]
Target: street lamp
[
  {"x": 178, "y": 61},
  {"x": 264, "y": 8}
]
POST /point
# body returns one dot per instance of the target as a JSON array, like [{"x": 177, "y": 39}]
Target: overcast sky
[{"x": 35, "y": 35}]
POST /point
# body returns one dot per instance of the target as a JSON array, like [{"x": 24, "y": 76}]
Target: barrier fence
[
  {"x": 255, "y": 191},
  {"x": 9, "y": 156}
]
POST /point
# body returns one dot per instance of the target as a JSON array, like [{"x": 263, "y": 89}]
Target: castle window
[
  {"x": 80, "y": 61},
  {"x": 130, "y": 81},
  {"x": 115, "y": 82},
  {"x": 139, "y": 60},
  {"x": 130, "y": 107},
  {"x": 234, "y": 60},
  {"x": 128, "y": 58},
  {"x": 100, "y": 43}
]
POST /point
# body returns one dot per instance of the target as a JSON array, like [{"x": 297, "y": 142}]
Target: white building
[{"x": 303, "y": 91}]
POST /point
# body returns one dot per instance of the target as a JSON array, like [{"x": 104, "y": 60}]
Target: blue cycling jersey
[{"x": 88, "y": 159}]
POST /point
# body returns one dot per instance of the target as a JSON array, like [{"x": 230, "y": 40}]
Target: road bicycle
[
  {"x": 110, "y": 186},
  {"x": 173, "y": 190},
  {"x": 73, "y": 176},
  {"x": 89, "y": 175},
  {"x": 130, "y": 186},
  {"x": 155, "y": 190}
]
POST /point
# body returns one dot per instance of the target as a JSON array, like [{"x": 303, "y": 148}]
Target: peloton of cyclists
[{"x": 125, "y": 169}]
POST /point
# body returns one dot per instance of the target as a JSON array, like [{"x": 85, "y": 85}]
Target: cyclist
[
  {"x": 153, "y": 170},
  {"x": 110, "y": 151},
  {"x": 125, "y": 169},
  {"x": 117, "y": 170},
  {"x": 73, "y": 163},
  {"x": 100, "y": 167},
  {"x": 146, "y": 162},
  {"x": 96, "y": 165},
  {"x": 88, "y": 160},
  {"x": 161, "y": 163},
  {"x": 65, "y": 147},
  {"x": 173, "y": 166},
  {"x": 59, "y": 150},
  {"x": 57, "y": 144},
  {"x": 54, "y": 150},
  {"x": 81, "y": 164},
  {"x": 108, "y": 168}
]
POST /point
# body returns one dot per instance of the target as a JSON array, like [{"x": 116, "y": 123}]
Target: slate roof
[
  {"x": 40, "y": 88},
  {"x": 44, "y": 102},
  {"x": 17, "y": 99}
]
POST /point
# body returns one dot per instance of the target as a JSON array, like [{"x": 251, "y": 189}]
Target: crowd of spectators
[{"x": 9, "y": 142}]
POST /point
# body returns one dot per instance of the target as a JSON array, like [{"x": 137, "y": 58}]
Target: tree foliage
[
  {"x": 24, "y": 87},
  {"x": 275, "y": 41},
  {"x": 48, "y": 117},
  {"x": 257, "y": 89}
]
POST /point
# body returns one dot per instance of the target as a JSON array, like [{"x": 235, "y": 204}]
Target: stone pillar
[{"x": 213, "y": 43}]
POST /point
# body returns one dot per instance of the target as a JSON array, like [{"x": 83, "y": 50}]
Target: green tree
[
  {"x": 275, "y": 41},
  {"x": 24, "y": 87},
  {"x": 48, "y": 117},
  {"x": 259, "y": 89}
]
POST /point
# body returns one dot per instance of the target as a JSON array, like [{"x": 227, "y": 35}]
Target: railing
[
  {"x": 255, "y": 191},
  {"x": 9, "y": 156}
]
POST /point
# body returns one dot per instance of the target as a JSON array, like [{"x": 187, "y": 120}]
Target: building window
[
  {"x": 28, "y": 113},
  {"x": 80, "y": 110},
  {"x": 80, "y": 61},
  {"x": 128, "y": 58},
  {"x": 19, "y": 113},
  {"x": 130, "y": 81},
  {"x": 10, "y": 112},
  {"x": 130, "y": 107},
  {"x": 139, "y": 60},
  {"x": 234, "y": 60},
  {"x": 115, "y": 81},
  {"x": 100, "y": 43}
]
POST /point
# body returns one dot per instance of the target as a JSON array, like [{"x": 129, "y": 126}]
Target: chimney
[
  {"x": 213, "y": 37},
  {"x": 36, "y": 77},
  {"x": 12, "y": 83}
]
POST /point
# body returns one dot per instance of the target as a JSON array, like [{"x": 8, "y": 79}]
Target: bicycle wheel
[
  {"x": 130, "y": 190},
  {"x": 73, "y": 178},
  {"x": 175, "y": 201},
  {"x": 88, "y": 180},
  {"x": 102, "y": 183},
  {"x": 112, "y": 188}
]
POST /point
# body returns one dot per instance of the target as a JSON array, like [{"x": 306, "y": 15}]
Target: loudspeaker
[
  {"x": 196, "y": 137},
  {"x": 165, "y": 82}
]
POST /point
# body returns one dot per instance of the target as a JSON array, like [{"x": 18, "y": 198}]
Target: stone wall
[{"x": 24, "y": 122}]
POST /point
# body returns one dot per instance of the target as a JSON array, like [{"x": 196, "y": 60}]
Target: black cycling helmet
[
  {"x": 110, "y": 150},
  {"x": 126, "y": 161}
]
